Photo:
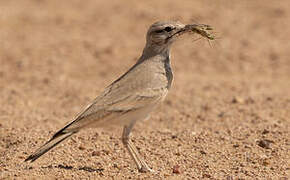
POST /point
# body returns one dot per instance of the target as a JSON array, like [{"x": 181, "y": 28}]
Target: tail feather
[{"x": 55, "y": 140}]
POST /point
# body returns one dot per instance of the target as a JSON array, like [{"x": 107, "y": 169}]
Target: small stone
[
  {"x": 176, "y": 169},
  {"x": 221, "y": 114},
  {"x": 238, "y": 100},
  {"x": 265, "y": 162},
  {"x": 202, "y": 152},
  {"x": 81, "y": 147},
  {"x": 265, "y": 131},
  {"x": 235, "y": 145},
  {"x": 21, "y": 157},
  {"x": 96, "y": 153},
  {"x": 205, "y": 175},
  {"x": 177, "y": 154},
  {"x": 116, "y": 166},
  {"x": 106, "y": 152},
  {"x": 166, "y": 175},
  {"x": 173, "y": 136},
  {"x": 269, "y": 99},
  {"x": 265, "y": 143}
]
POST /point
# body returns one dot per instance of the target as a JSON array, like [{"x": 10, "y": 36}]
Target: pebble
[
  {"x": 96, "y": 153},
  {"x": 265, "y": 143},
  {"x": 82, "y": 148},
  {"x": 176, "y": 169},
  {"x": 238, "y": 100}
]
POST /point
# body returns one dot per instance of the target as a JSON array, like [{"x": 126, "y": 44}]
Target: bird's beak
[
  {"x": 179, "y": 32},
  {"x": 201, "y": 29}
]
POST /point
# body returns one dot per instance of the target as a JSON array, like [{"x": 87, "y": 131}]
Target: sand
[{"x": 226, "y": 116}]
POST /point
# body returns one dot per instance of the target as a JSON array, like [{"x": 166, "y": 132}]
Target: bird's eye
[
  {"x": 168, "y": 29},
  {"x": 159, "y": 31}
]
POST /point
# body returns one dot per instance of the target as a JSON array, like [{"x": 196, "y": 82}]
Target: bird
[{"x": 135, "y": 94}]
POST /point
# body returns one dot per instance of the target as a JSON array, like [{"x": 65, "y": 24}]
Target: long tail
[{"x": 55, "y": 140}]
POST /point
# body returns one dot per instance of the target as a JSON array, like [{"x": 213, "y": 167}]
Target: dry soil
[{"x": 226, "y": 117}]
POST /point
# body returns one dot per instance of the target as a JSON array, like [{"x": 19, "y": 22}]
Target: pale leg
[{"x": 140, "y": 163}]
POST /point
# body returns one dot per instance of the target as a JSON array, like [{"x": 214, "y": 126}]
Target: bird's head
[{"x": 162, "y": 34}]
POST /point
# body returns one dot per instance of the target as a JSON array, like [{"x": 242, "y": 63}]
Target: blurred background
[{"x": 227, "y": 115}]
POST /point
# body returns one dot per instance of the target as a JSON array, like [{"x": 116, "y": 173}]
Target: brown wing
[{"x": 143, "y": 87}]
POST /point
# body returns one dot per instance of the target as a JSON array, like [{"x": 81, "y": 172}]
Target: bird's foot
[{"x": 145, "y": 169}]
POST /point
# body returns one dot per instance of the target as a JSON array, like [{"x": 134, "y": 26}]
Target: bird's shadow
[{"x": 81, "y": 168}]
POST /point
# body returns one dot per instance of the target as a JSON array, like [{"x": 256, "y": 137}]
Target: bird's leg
[{"x": 140, "y": 163}]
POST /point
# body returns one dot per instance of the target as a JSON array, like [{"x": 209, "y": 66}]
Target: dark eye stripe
[
  {"x": 167, "y": 29},
  {"x": 159, "y": 31}
]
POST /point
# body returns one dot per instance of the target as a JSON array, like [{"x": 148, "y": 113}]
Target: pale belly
[{"x": 126, "y": 118}]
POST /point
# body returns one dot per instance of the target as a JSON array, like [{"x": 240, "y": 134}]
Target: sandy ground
[{"x": 226, "y": 117}]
